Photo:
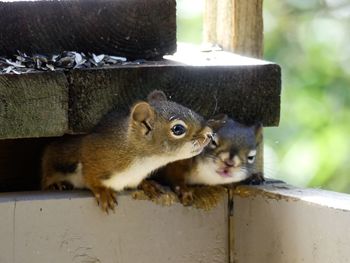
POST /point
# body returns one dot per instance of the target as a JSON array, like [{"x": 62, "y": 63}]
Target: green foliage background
[{"x": 311, "y": 41}]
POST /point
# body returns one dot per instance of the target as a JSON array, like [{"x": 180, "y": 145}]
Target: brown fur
[
  {"x": 117, "y": 141},
  {"x": 174, "y": 174},
  {"x": 234, "y": 138}
]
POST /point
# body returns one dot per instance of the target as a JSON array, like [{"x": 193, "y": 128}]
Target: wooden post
[{"x": 236, "y": 25}]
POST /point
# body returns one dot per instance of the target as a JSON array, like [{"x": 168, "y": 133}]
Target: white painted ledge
[
  {"x": 69, "y": 227},
  {"x": 271, "y": 224},
  {"x": 284, "y": 224}
]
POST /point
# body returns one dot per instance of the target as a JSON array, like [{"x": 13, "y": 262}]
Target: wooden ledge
[
  {"x": 281, "y": 223},
  {"x": 69, "y": 227},
  {"x": 43, "y": 104},
  {"x": 285, "y": 192}
]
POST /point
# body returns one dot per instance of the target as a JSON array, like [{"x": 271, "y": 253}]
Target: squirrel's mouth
[{"x": 224, "y": 172}]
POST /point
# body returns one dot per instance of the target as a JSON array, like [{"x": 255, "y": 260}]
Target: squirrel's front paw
[
  {"x": 61, "y": 186},
  {"x": 185, "y": 196},
  {"x": 255, "y": 179},
  {"x": 106, "y": 198},
  {"x": 151, "y": 189}
]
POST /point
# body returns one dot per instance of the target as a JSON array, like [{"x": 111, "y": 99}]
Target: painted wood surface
[
  {"x": 281, "y": 223},
  {"x": 69, "y": 227}
]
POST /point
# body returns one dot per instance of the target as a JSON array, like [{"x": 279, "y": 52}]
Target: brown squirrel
[
  {"x": 229, "y": 158},
  {"x": 123, "y": 150}
]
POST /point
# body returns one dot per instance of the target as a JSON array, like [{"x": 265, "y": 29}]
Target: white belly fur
[
  {"x": 76, "y": 178},
  {"x": 139, "y": 170},
  {"x": 205, "y": 174},
  {"x": 142, "y": 167}
]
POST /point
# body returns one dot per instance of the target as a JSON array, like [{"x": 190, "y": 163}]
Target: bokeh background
[{"x": 311, "y": 41}]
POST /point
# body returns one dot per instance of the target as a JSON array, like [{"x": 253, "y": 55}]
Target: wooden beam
[
  {"x": 248, "y": 93},
  {"x": 236, "y": 25},
  {"x": 137, "y": 29},
  {"x": 33, "y": 105},
  {"x": 42, "y": 104}
]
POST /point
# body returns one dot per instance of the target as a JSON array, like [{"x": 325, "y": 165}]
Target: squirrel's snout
[
  {"x": 232, "y": 162},
  {"x": 207, "y": 132}
]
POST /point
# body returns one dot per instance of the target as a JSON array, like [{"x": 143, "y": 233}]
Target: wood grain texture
[
  {"x": 131, "y": 28},
  {"x": 247, "y": 93},
  {"x": 54, "y": 103},
  {"x": 248, "y": 27},
  {"x": 33, "y": 105},
  {"x": 209, "y": 21},
  {"x": 236, "y": 25}
]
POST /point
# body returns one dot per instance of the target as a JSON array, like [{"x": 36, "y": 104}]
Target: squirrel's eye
[
  {"x": 251, "y": 156},
  {"x": 178, "y": 129}
]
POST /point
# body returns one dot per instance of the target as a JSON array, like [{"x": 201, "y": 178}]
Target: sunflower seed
[
  {"x": 50, "y": 67},
  {"x": 67, "y": 60},
  {"x": 97, "y": 59},
  {"x": 14, "y": 64},
  {"x": 9, "y": 69},
  {"x": 122, "y": 59}
]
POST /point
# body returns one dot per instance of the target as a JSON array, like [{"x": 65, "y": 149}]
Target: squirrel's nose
[
  {"x": 229, "y": 163},
  {"x": 234, "y": 162}
]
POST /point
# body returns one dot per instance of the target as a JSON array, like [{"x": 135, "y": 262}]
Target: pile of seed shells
[{"x": 67, "y": 60}]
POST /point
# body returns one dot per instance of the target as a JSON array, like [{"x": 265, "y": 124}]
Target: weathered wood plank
[
  {"x": 209, "y": 21},
  {"x": 33, "y": 105},
  {"x": 249, "y": 93},
  {"x": 69, "y": 227},
  {"x": 37, "y": 104},
  {"x": 131, "y": 28},
  {"x": 236, "y": 25},
  {"x": 281, "y": 223}
]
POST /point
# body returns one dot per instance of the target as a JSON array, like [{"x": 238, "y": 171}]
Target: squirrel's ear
[
  {"x": 157, "y": 95},
  {"x": 217, "y": 121},
  {"x": 142, "y": 115}
]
